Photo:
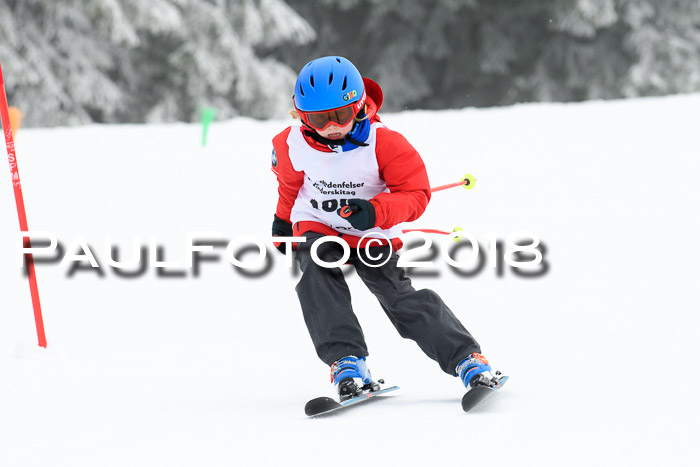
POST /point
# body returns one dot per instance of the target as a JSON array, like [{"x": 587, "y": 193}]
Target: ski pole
[
  {"x": 435, "y": 231},
  {"x": 19, "y": 200},
  {"x": 430, "y": 231},
  {"x": 467, "y": 182}
]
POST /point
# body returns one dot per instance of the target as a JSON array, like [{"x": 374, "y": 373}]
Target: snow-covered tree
[
  {"x": 664, "y": 37},
  {"x": 455, "y": 53},
  {"x": 78, "y": 61},
  {"x": 162, "y": 60},
  {"x": 57, "y": 59},
  {"x": 212, "y": 54},
  {"x": 581, "y": 58}
]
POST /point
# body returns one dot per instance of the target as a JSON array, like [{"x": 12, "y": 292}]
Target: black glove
[
  {"x": 360, "y": 213},
  {"x": 281, "y": 228}
]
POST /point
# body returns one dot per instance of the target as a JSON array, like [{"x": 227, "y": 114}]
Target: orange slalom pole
[
  {"x": 15, "y": 119},
  {"x": 19, "y": 199}
]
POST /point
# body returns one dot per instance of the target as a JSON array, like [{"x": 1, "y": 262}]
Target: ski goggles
[{"x": 339, "y": 117}]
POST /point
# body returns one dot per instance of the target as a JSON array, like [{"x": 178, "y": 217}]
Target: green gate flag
[{"x": 208, "y": 115}]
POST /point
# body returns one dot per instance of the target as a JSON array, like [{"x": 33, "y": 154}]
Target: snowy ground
[{"x": 215, "y": 370}]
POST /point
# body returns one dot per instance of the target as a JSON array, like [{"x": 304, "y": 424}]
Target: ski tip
[
  {"x": 320, "y": 405},
  {"x": 474, "y": 396},
  {"x": 325, "y": 405},
  {"x": 480, "y": 392}
]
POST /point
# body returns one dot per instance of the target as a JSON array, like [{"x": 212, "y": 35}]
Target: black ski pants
[{"x": 420, "y": 315}]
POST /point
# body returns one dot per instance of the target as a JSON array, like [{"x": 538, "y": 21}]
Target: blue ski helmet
[{"x": 328, "y": 83}]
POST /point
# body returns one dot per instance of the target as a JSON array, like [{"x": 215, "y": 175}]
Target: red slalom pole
[{"x": 19, "y": 199}]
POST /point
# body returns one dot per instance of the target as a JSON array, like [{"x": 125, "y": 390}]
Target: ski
[
  {"x": 481, "y": 388},
  {"x": 327, "y": 405}
]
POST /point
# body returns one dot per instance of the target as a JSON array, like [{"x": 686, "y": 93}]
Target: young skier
[{"x": 342, "y": 173}]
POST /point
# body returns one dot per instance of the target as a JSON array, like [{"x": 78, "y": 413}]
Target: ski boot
[
  {"x": 475, "y": 370},
  {"x": 475, "y": 373},
  {"x": 345, "y": 371}
]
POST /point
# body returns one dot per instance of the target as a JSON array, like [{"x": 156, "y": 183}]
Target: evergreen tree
[
  {"x": 664, "y": 38},
  {"x": 57, "y": 58},
  {"x": 77, "y": 61},
  {"x": 581, "y": 57},
  {"x": 455, "y": 53},
  {"x": 209, "y": 54}
]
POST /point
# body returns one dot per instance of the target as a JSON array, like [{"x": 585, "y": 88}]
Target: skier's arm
[
  {"x": 290, "y": 181},
  {"x": 403, "y": 171}
]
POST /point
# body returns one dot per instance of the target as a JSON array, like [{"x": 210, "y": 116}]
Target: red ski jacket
[{"x": 398, "y": 166}]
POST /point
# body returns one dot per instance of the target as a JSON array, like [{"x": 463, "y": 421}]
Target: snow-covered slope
[{"x": 214, "y": 370}]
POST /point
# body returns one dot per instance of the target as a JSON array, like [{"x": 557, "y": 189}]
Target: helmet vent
[
  {"x": 301, "y": 90},
  {"x": 337, "y": 60},
  {"x": 345, "y": 83},
  {"x": 311, "y": 80},
  {"x": 330, "y": 78}
]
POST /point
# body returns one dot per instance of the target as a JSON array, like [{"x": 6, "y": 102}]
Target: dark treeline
[{"x": 80, "y": 61}]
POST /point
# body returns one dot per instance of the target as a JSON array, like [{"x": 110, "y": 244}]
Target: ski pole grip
[{"x": 348, "y": 210}]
